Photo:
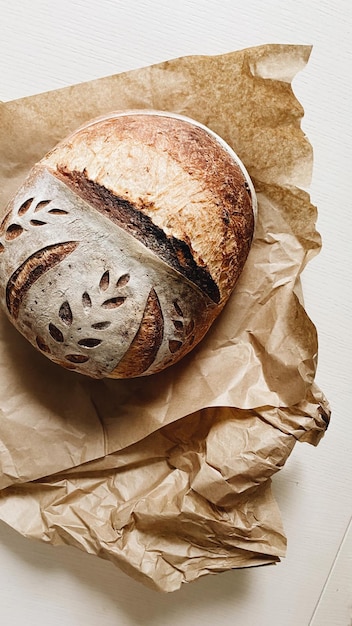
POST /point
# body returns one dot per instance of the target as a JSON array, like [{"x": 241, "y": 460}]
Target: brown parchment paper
[{"x": 169, "y": 476}]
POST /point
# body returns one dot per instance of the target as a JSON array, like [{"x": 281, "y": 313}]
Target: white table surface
[{"x": 45, "y": 45}]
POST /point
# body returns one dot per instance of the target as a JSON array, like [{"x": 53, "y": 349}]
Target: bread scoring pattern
[
  {"x": 102, "y": 305},
  {"x": 31, "y": 270},
  {"x": 124, "y": 243},
  {"x": 176, "y": 252},
  {"x": 66, "y": 317}
]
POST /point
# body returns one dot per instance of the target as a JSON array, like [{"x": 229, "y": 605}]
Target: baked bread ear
[{"x": 125, "y": 242}]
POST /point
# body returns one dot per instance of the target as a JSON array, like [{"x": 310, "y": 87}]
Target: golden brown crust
[
  {"x": 196, "y": 151},
  {"x": 179, "y": 176}
]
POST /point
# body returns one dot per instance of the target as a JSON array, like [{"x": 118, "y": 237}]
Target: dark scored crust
[
  {"x": 146, "y": 343},
  {"x": 175, "y": 252},
  {"x": 31, "y": 270}
]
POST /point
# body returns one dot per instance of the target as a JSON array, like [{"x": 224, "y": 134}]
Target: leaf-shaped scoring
[
  {"x": 55, "y": 211},
  {"x": 25, "y": 206},
  {"x": 41, "y": 205},
  {"x": 37, "y": 222},
  {"x": 113, "y": 303},
  {"x": 101, "y": 325},
  {"x": 123, "y": 280},
  {"x": 104, "y": 281},
  {"x": 13, "y": 231},
  {"x": 65, "y": 313},
  {"x": 86, "y": 300},
  {"x": 89, "y": 342}
]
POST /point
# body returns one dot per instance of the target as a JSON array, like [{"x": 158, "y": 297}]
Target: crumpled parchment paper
[{"x": 169, "y": 476}]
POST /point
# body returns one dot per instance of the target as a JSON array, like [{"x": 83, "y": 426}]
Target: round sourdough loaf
[{"x": 125, "y": 242}]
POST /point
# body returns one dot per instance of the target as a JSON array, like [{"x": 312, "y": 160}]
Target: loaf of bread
[{"x": 125, "y": 242}]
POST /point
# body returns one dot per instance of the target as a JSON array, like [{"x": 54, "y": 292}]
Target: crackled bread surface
[{"x": 124, "y": 244}]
